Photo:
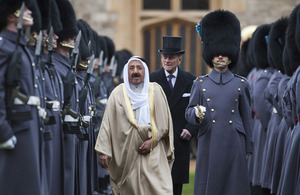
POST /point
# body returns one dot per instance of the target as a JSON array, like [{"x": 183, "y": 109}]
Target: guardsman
[
  {"x": 220, "y": 104},
  {"x": 19, "y": 130},
  {"x": 69, "y": 90}
]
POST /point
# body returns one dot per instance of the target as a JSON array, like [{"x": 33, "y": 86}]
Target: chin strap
[{"x": 221, "y": 63}]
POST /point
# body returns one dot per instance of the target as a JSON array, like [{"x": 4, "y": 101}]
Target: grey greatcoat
[
  {"x": 224, "y": 136},
  {"x": 19, "y": 168}
]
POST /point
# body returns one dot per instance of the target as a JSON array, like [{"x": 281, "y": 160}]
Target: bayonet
[
  {"x": 38, "y": 44},
  {"x": 50, "y": 40},
  {"x": 27, "y": 33},
  {"x": 50, "y": 45},
  {"x": 112, "y": 61},
  {"x": 114, "y": 72},
  {"x": 20, "y": 20},
  {"x": 75, "y": 51},
  {"x": 100, "y": 63}
]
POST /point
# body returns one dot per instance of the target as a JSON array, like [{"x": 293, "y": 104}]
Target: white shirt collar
[{"x": 175, "y": 73}]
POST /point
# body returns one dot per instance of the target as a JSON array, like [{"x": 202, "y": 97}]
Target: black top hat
[{"x": 171, "y": 45}]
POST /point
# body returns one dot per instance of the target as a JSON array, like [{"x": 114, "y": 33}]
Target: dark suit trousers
[{"x": 177, "y": 188}]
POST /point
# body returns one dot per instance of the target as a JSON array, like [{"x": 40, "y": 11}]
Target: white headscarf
[{"x": 139, "y": 100}]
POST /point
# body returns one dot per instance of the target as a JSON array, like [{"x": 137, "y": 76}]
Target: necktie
[{"x": 170, "y": 81}]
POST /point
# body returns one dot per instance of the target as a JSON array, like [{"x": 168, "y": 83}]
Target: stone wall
[{"x": 97, "y": 14}]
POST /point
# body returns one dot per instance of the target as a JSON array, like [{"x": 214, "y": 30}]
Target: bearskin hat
[
  {"x": 68, "y": 20},
  {"x": 9, "y": 7},
  {"x": 291, "y": 57},
  {"x": 276, "y": 42},
  {"x": 259, "y": 46},
  {"x": 220, "y": 34}
]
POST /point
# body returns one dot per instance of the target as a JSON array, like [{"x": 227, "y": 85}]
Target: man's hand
[
  {"x": 185, "y": 135},
  {"x": 146, "y": 147},
  {"x": 103, "y": 161}
]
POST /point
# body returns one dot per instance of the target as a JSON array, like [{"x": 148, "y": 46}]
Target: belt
[
  {"x": 53, "y": 105},
  {"x": 102, "y": 101},
  {"x": 70, "y": 119},
  {"x": 32, "y": 101}
]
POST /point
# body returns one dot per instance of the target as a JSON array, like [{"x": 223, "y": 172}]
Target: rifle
[
  {"x": 13, "y": 72},
  {"x": 69, "y": 81},
  {"x": 84, "y": 91}
]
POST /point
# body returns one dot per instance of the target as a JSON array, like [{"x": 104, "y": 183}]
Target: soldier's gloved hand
[
  {"x": 9, "y": 144},
  {"x": 203, "y": 110}
]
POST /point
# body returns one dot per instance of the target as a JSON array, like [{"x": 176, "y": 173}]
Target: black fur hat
[
  {"x": 110, "y": 48},
  {"x": 37, "y": 18},
  {"x": 50, "y": 15},
  {"x": 259, "y": 46},
  {"x": 276, "y": 42},
  {"x": 122, "y": 56},
  {"x": 291, "y": 57},
  {"x": 9, "y": 7},
  {"x": 221, "y": 35},
  {"x": 68, "y": 20},
  {"x": 83, "y": 46}
]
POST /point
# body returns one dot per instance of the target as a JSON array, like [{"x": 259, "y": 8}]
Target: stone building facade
[{"x": 139, "y": 30}]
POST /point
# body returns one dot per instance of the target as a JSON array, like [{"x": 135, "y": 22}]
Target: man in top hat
[
  {"x": 224, "y": 135},
  {"x": 19, "y": 128},
  {"x": 176, "y": 84}
]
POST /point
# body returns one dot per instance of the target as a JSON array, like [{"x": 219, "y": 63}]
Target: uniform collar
[
  {"x": 221, "y": 77},
  {"x": 12, "y": 36}
]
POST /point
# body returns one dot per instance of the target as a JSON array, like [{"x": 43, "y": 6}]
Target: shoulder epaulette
[
  {"x": 241, "y": 77},
  {"x": 201, "y": 77}
]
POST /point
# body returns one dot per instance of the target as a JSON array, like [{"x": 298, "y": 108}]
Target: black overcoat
[{"x": 178, "y": 100}]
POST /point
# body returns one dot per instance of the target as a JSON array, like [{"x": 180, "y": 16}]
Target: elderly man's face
[{"x": 136, "y": 72}]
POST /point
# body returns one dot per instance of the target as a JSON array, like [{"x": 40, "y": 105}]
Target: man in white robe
[{"x": 135, "y": 141}]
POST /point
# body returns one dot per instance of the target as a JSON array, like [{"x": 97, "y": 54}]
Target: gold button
[
  {"x": 236, "y": 100},
  {"x": 45, "y": 98},
  {"x": 204, "y": 90},
  {"x": 201, "y": 81},
  {"x": 208, "y": 99},
  {"x": 243, "y": 80},
  {"x": 33, "y": 64},
  {"x": 239, "y": 89},
  {"x": 212, "y": 110},
  {"x": 35, "y": 85},
  {"x": 230, "y": 122},
  {"x": 76, "y": 82},
  {"x": 214, "y": 121},
  {"x": 56, "y": 96},
  {"x": 77, "y": 100},
  {"x": 232, "y": 111},
  {"x": 62, "y": 102},
  {"x": 265, "y": 71}
]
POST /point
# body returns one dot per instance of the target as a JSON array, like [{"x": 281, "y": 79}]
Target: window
[
  {"x": 156, "y": 4},
  {"x": 194, "y": 4}
]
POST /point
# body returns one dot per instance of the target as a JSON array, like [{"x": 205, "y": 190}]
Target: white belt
[
  {"x": 69, "y": 118},
  {"x": 32, "y": 101},
  {"x": 103, "y": 101},
  {"x": 55, "y": 105},
  {"x": 86, "y": 118},
  {"x": 274, "y": 110}
]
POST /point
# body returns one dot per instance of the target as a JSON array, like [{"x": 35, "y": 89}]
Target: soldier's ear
[{"x": 11, "y": 18}]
